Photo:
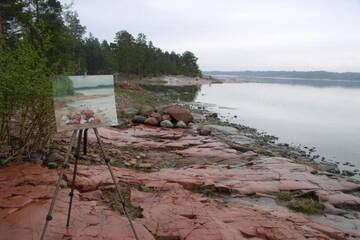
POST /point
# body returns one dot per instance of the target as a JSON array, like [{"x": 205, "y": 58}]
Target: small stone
[
  {"x": 128, "y": 164},
  {"x": 138, "y": 119},
  {"x": 181, "y": 124},
  {"x": 151, "y": 121},
  {"x": 166, "y": 124},
  {"x": 145, "y": 165},
  {"x": 52, "y": 165}
]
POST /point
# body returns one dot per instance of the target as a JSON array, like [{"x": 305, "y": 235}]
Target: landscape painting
[{"x": 84, "y": 102}]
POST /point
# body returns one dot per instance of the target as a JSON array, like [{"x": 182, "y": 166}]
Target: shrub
[{"x": 26, "y": 111}]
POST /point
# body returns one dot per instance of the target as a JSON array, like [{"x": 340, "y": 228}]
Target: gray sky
[{"x": 238, "y": 34}]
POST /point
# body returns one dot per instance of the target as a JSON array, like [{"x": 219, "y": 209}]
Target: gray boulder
[
  {"x": 181, "y": 124},
  {"x": 166, "y": 124},
  {"x": 138, "y": 119}
]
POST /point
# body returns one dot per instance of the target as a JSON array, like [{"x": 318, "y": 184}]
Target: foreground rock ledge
[{"x": 171, "y": 210}]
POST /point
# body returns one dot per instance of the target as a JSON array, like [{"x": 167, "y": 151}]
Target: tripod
[{"x": 79, "y": 133}]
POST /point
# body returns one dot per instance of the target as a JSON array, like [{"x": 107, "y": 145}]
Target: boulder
[
  {"x": 179, "y": 113},
  {"x": 181, "y": 124},
  {"x": 151, "y": 121},
  {"x": 138, "y": 119},
  {"x": 166, "y": 117},
  {"x": 156, "y": 115},
  {"x": 130, "y": 112},
  {"x": 166, "y": 124},
  {"x": 146, "y": 110}
]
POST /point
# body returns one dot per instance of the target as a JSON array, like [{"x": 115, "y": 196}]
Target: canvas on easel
[{"x": 84, "y": 102}]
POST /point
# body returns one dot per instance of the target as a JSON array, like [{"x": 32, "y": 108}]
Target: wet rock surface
[{"x": 188, "y": 186}]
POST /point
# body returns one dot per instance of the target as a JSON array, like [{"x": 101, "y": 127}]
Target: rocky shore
[{"x": 198, "y": 178}]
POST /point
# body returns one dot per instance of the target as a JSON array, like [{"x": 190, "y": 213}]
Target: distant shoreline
[{"x": 302, "y": 75}]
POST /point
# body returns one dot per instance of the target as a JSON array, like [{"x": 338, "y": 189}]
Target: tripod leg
[
  {"x": 53, "y": 199},
  {"x": 77, "y": 156},
  {"x": 85, "y": 141},
  {"x": 107, "y": 161}
]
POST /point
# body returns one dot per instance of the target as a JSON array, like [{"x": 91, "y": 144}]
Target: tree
[
  {"x": 76, "y": 31},
  {"x": 189, "y": 65},
  {"x": 125, "y": 52}
]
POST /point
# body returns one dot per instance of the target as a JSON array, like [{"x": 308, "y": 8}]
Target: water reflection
[
  {"x": 326, "y": 117},
  {"x": 175, "y": 93}
]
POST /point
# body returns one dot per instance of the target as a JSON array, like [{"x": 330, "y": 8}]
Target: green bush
[{"x": 26, "y": 111}]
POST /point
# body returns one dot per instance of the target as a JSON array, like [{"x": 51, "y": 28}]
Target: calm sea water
[{"x": 324, "y": 116}]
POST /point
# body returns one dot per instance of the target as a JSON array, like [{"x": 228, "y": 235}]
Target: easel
[{"x": 79, "y": 133}]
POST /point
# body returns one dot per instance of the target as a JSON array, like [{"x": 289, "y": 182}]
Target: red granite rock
[
  {"x": 172, "y": 209},
  {"x": 178, "y": 113}
]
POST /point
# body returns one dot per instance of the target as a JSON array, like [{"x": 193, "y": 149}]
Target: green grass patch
[
  {"x": 306, "y": 205},
  {"x": 115, "y": 204},
  {"x": 300, "y": 204},
  {"x": 284, "y": 196}
]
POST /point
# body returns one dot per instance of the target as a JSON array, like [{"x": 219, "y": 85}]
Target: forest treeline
[
  {"x": 56, "y": 33},
  {"x": 40, "y": 39}
]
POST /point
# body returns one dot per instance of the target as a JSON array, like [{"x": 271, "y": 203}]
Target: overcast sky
[{"x": 238, "y": 34}]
